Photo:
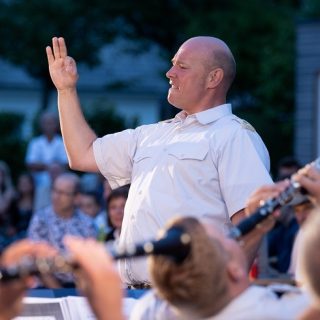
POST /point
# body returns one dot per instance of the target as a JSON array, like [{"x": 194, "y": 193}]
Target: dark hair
[
  {"x": 286, "y": 167},
  {"x": 93, "y": 194},
  {"x": 289, "y": 161},
  {"x": 29, "y": 176},
  {"x": 121, "y": 192}
]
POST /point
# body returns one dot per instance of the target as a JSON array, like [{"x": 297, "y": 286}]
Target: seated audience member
[
  {"x": 62, "y": 218},
  {"x": 52, "y": 223},
  {"x": 23, "y": 204},
  {"x": 12, "y": 292},
  {"x": 89, "y": 203},
  {"x": 281, "y": 239},
  {"x": 116, "y": 202},
  {"x": 193, "y": 290},
  {"x": 7, "y": 193},
  {"x": 46, "y": 157}
]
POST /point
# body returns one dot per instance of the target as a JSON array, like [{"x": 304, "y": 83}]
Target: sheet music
[
  {"x": 35, "y": 318},
  {"x": 43, "y": 309},
  {"x": 79, "y": 308},
  {"x": 66, "y": 308}
]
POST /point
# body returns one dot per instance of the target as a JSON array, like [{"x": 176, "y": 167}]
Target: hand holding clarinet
[{"x": 262, "y": 205}]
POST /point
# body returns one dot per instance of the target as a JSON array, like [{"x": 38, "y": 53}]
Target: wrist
[{"x": 66, "y": 91}]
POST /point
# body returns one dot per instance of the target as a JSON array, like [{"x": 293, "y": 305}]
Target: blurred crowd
[{"x": 49, "y": 201}]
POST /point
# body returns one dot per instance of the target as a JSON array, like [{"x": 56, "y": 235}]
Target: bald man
[{"x": 204, "y": 162}]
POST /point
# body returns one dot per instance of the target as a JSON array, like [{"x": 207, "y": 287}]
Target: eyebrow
[{"x": 177, "y": 61}]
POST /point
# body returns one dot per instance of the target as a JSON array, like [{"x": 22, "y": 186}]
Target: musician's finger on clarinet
[
  {"x": 311, "y": 183},
  {"x": 263, "y": 194}
]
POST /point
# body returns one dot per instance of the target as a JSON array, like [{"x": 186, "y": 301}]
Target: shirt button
[{"x": 140, "y": 192}]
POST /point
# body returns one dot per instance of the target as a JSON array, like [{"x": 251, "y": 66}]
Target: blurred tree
[
  {"x": 103, "y": 118},
  {"x": 311, "y": 9},
  {"x": 12, "y": 148},
  {"x": 260, "y": 33},
  {"x": 28, "y": 27}
]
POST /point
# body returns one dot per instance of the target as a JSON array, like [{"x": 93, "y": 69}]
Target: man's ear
[
  {"x": 215, "y": 77},
  {"x": 235, "y": 272}
]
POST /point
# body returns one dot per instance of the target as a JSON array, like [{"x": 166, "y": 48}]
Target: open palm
[{"x": 62, "y": 68}]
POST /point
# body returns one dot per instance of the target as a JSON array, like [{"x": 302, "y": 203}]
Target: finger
[
  {"x": 311, "y": 185},
  {"x": 259, "y": 199},
  {"x": 268, "y": 191},
  {"x": 93, "y": 257},
  {"x": 313, "y": 173},
  {"x": 56, "y": 48},
  {"x": 50, "y": 56},
  {"x": 42, "y": 249},
  {"x": 16, "y": 251},
  {"x": 63, "y": 47}
]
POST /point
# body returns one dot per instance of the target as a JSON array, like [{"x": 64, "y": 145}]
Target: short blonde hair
[{"x": 199, "y": 280}]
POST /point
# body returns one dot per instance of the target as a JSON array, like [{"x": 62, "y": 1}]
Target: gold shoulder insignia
[{"x": 246, "y": 125}]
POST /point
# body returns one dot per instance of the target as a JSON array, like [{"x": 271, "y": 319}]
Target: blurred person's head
[
  {"x": 56, "y": 169},
  {"x": 25, "y": 184},
  {"x": 116, "y": 202},
  {"x": 286, "y": 167},
  {"x": 310, "y": 258},
  {"x": 64, "y": 194},
  {"x": 214, "y": 272},
  {"x": 302, "y": 211},
  {"x": 89, "y": 203},
  {"x": 49, "y": 124}
]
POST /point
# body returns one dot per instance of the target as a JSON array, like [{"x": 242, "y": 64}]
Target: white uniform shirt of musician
[
  {"x": 254, "y": 303},
  {"x": 203, "y": 165}
]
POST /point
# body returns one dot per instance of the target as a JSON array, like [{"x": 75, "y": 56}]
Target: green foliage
[
  {"x": 261, "y": 35},
  {"x": 274, "y": 128},
  {"x": 311, "y": 9},
  {"x": 12, "y": 148},
  {"x": 103, "y": 118},
  {"x": 30, "y": 26}
]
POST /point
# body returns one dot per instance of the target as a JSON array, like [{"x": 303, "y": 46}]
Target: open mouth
[{"x": 173, "y": 86}]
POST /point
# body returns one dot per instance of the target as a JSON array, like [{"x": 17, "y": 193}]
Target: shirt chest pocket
[
  {"x": 189, "y": 151},
  {"x": 144, "y": 154}
]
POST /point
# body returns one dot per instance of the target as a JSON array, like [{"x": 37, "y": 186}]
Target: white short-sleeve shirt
[
  {"x": 203, "y": 165},
  {"x": 40, "y": 150},
  {"x": 254, "y": 303}
]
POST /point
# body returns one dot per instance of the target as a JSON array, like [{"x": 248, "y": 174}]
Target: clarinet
[
  {"x": 292, "y": 191},
  {"x": 175, "y": 244}
]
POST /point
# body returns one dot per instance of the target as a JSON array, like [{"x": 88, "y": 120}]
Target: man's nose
[{"x": 170, "y": 73}]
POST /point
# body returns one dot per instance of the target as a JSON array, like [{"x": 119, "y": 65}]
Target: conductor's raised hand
[{"x": 62, "y": 68}]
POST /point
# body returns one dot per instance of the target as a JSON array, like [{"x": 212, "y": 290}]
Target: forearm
[
  {"x": 77, "y": 135},
  {"x": 250, "y": 243}
]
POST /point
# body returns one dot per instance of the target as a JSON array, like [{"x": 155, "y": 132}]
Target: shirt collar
[{"x": 207, "y": 116}]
